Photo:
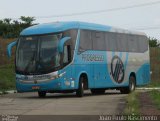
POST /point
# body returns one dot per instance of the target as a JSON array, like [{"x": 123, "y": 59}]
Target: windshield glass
[
  {"x": 37, "y": 54},
  {"x": 49, "y": 56}
]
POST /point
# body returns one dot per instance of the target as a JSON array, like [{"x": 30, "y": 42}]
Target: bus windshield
[{"x": 38, "y": 54}]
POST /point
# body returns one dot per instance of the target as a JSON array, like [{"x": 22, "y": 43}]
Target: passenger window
[
  {"x": 133, "y": 43},
  {"x": 85, "y": 41},
  {"x": 143, "y": 43},
  {"x": 122, "y": 42},
  {"x": 98, "y": 39},
  {"x": 112, "y": 42}
]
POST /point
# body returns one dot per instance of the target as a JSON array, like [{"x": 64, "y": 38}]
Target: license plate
[{"x": 35, "y": 87}]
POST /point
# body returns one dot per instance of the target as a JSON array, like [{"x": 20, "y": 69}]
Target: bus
[{"x": 75, "y": 56}]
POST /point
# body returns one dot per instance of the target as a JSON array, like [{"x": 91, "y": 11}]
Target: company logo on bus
[
  {"x": 92, "y": 57},
  {"x": 117, "y": 69}
]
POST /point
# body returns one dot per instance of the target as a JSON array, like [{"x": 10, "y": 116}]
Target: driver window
[
  {"x": 65, "y": 58},
  {"x": 67, "y": 54}
]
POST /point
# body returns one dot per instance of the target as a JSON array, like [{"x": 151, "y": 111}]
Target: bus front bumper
[
  {"x": 45, "y": 86},
  {"x": 52, "y": 85}
]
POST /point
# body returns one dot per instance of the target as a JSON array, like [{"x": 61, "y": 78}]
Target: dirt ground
[{"x": 147, "y": 107}]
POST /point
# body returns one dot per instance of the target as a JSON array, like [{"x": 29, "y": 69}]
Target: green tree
[
  {"x": 7, "y": 20},
  {"x": 153, "y": 42},
  {"x": 27, "y": 20},
  {"x": 11, "y": 28}
]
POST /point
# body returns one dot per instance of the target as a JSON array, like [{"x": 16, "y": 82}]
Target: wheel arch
[
  {"x": 134, "y": 75},
  {"x": 86, "y": 82}
]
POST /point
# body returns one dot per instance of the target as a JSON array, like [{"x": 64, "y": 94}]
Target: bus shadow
[{"x": 70, "y": 95}]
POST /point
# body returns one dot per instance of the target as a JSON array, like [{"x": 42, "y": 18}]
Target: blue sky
[{"x": 144, "y": 18}]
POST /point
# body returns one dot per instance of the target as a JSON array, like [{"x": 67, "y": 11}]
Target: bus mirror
[
  {"x": 9, "y": 48},
  {"x": 61, "y": 44}
]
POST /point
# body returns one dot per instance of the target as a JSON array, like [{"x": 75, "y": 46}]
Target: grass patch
[
  {"x": 7, "y": 77},
  {"x": 155, "y": 83},
  {"x": 155, "y": 95},
  {"x": 132, "y": 107}
]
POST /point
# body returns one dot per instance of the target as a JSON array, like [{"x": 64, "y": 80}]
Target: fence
[{"x": 155, "y": 63}]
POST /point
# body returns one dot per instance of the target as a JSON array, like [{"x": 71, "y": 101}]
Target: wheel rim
[
  {"x": 132, "y": 84},
  {"x": 82, "y": 85}
]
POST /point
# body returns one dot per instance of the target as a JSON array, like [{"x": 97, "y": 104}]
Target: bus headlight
[{"x": 58, "y": 76}]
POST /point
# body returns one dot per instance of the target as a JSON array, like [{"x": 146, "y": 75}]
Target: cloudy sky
[{"x": 139, "y": 15}]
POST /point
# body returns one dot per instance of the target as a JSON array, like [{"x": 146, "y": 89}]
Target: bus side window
[
  {"x": 67, "y": 54},
  {"x": 122, "y": 42},
  {"x": 99, "y": 42},
  {"x": 143, "y": 43},
  {"x": 85, "y": 41},
  {"x": 132, "y": 43},
  {"x": 112, "y": 41}
]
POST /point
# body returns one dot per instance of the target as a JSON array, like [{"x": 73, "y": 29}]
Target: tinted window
[
  {"x": 85, "y": 41},
  {"x": 73, "y": 34},
  {"x": 133, "y": 43},
  {"x": 122, "y": 42},
  {"x": 98, "y": 39},
  {"x": 143, "y": 43},
  {"x": 111, "y": 41}
]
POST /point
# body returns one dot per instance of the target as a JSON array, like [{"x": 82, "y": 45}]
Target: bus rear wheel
[
  {"x": 80, "y": 90},
  {"x": 131, "y": 86},
  {"x": 97, "y": 91},
  {"x": 42, "y": 94}
]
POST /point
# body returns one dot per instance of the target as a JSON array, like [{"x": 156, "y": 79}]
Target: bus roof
[{"x": 62, "y": 26}]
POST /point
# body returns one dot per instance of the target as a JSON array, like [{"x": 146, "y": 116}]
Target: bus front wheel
[
  {"x": 131, "y": 86},
  {"x": 80, "y": 90},
  {"x": 42, "y": 94}
]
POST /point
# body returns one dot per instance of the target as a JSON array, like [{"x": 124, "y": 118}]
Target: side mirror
[
  {"x": 9, "y": 48},
  {"x": 61, "y": 44}
]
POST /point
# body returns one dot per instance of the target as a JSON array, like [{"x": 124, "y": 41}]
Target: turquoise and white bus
[{"x": 75, "y": 56}]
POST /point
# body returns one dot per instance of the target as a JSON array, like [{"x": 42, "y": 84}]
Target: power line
[
  {"x": 96, "y": 12},
  {"x": 100, "y": 11},
  {"x": 148, "y": 28}
]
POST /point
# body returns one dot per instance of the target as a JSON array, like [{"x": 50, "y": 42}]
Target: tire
[
  {"x": 80, "y": 90},
  {"x": 42, "y": 94},
  {"x": 97, "y": 91},
  {"x": 131, "y": 86}
]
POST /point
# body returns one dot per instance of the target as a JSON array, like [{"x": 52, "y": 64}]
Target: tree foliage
[
  {"x": 11, "y": 28},
  {"x": 153, "y": 42}
]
